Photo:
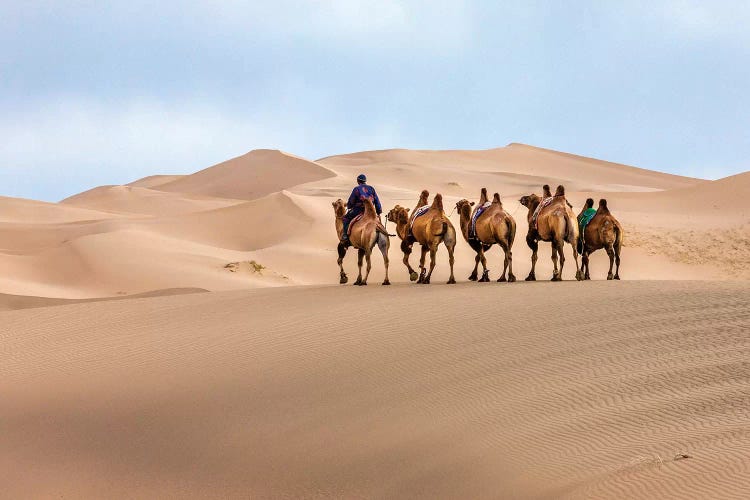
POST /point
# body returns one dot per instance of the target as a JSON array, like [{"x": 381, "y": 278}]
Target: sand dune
[
  {"x": 578, "y": 173},
  {"x": 14, "y": 302},
  {"x": 248, "y": 226},
  {"x": 153, "y": 181},
  {"x": 250, "y": 176},
  {"x": 23, "y": 211},
  {"x": 139, "y": 200},
  {"x": 567, "y": 390}
]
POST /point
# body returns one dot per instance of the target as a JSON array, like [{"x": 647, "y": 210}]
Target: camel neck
[{"x": 464, "y": 219}]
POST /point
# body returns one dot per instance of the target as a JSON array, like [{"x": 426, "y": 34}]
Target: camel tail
[
  {"x": 511, "y": 231},
  {"x": 571, "y": 230},
  {"x": 619, "y": 235}
]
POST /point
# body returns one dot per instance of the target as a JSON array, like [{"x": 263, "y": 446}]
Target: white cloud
[{"x": 69, "y": 144}]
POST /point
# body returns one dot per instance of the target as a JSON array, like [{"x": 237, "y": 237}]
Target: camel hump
[
  {"x": 560, "y": 190},
  {"x": 603, "y": 207},
  {"x": 483, "y": 196},
  {"x": 547, "y": 192},
  {"x": 369, "y": 208},
  {"x": 496, "y": 199},
  {"x": 590, "y": 203},
  {"x": 437, "y": 202}
]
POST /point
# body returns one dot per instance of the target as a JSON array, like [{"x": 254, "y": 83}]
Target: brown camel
[
  {"x": 603, "y": 231},
  {"x": 429, "y": 230},
  {"x": 494, "y": 225},
  {"x": 555, "y": 223},
  {"x": 365, "y": 233}
]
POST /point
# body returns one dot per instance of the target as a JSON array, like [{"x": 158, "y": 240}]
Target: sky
[{"x": 95, "y": 93}]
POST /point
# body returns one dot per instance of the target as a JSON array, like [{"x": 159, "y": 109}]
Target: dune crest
[{"x": 250, "y": 176}]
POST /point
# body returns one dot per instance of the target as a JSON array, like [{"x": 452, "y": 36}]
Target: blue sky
[{"x": 96, "y": 94}]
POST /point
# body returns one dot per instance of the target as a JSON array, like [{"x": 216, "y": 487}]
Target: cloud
[{"x": 69, "y": 144}]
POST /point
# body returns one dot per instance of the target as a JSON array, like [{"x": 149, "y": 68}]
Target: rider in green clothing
[{"x": 584, "y": 218}]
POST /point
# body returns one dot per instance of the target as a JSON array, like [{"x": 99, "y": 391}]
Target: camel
[
  {"x": 603, "y": 231},
  {"x": 555, "y": 223},
  {"x": 365, "y": 233},
  {"x": 494, "y": 225},
  {"x": 429, "y": 230}
]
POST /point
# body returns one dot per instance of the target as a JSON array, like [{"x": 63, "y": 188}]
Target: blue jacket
[{"x": 359, "y": 193}]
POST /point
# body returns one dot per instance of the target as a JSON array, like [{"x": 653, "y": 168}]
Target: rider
[{"x": 356, "y": 205}]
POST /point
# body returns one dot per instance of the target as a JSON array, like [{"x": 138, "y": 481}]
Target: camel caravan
[{"x": 550, "y": 218}]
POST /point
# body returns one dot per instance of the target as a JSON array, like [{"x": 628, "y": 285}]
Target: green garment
[{"x": 586, "y": 217}]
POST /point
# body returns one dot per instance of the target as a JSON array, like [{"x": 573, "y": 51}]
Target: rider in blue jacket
[{"x": 356, "y": 206}]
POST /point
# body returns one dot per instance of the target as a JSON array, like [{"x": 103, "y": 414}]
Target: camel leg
[
  {"x": 611, "y": 254},
  {"x": 384, "y": 244},
  {"x": 555, "y": 273},
  {"x": 617, "y": 263},
  {"x": 585, "y": 264},
  {"x": 406, "y": 247},
  {"x": 579, "y": 273},
  {"x": 502, "y": 278},
  {"x": 485, "y": 273},
  {"x": 561, "y": 253},
  {"x": 368, "y": 260},
  {"x": 473, "y": 275},
  {"x": 360, "y": 257},
  {"x": 342, "y": 253},
  {"x": 534, "y": 245},
  {"x": 433, "y": 252},
  {"x": 422, "y": 270},
  {"x": 509, "y": 256},
  {"x": 451, "y": 260}
]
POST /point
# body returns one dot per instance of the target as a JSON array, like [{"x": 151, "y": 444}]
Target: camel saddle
[
  {"x": 479, "y": 211},
  {"x": 419, "y": 212},
  {"x": 351, "y": 224},
  {"x": 545, "y": 202}
]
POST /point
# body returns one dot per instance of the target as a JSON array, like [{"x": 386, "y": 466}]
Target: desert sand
[{"x": 185, "y": 336}]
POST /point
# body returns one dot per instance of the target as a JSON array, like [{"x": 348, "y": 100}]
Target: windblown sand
[
  {"x": 539, "y": 390},
  {"x": 121, "y": 377}
]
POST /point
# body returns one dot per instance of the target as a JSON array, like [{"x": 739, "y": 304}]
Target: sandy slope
[
  {"x": 153, "y": 181},
  {"x": 436, "y": 392},
  {"x": 250, "y": 176},
  {"x": 145, "y": 201}
]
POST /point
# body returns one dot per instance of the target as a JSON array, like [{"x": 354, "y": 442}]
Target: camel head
[
  {"x": 398, "y": 214},
  {"x": 464, "y": 207},
  {"x": 529, "y": 200},
  {"x": 339, "y": 208}
]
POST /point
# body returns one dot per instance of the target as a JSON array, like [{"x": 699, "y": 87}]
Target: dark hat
[{"x": 361, "y": 178}]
